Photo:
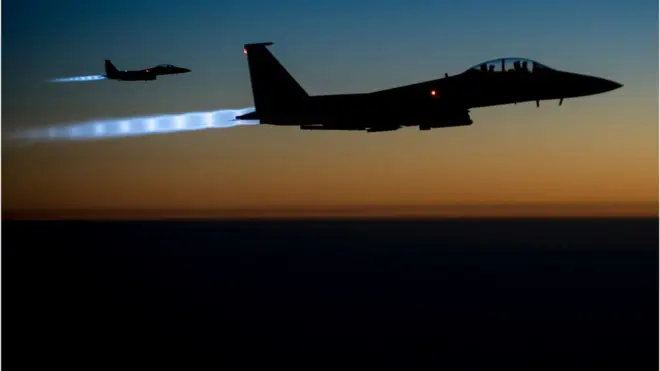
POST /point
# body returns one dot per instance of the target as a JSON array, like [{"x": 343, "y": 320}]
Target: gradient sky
[{"x": 598, "y": 149}]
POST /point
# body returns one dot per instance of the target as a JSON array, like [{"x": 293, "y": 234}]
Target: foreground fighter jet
[
  {"x": 445, "y": 102},
  {"x": 112, "y": 73}
]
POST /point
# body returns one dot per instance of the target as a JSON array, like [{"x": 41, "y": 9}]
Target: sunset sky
[{"x": 601, "y": 149}]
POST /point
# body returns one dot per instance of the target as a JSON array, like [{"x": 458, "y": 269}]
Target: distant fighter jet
[
  {"x": 445, "y": 102},
  {"x": 112, "y": 73}
]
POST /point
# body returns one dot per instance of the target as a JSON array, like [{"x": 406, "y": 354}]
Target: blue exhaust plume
[
  {"x": 149, "y": 125},
  {"x": 79, "y": 78}
]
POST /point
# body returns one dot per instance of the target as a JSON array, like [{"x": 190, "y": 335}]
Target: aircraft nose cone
[
  {"x": 185, "y": 70},
  {"x": 616, "y": 85},
  {"x": 608, "y": 85}
]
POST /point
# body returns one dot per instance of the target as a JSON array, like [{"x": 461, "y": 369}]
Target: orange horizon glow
[
  {"x": 649, "y": 210},
  {"x": 538, "y": 159}
]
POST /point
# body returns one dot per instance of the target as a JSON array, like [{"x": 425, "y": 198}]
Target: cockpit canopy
[
  {"x": 509, "y": 64},
  {"x": 165, "y": 66}
]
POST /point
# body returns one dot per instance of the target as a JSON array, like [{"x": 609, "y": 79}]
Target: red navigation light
[
  {"x": 433, "y": 93},
  {"x": 244, "y": 51},
  {"x": 147, "y": 70}
]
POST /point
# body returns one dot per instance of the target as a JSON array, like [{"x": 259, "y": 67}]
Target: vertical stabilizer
[
  {"x": 273, "y": 87},
  {"x": 110, "y": 68}
]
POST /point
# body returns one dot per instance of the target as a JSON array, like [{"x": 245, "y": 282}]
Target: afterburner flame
[{"x": 148, "y": 125}]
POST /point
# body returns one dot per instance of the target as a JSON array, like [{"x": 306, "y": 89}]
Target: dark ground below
[{"x": 405, "y": 294}]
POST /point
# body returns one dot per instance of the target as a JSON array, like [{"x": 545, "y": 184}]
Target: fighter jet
[
  {"x": 112, "y": 73},
  {"x": 439, "y": 103}
]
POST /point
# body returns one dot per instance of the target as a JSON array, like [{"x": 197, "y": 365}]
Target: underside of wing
[
  {"x": 423, "y": 119},
  {"x": 368, "y": 129}
]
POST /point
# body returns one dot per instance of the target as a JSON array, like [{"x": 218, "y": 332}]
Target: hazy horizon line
[{"x": 621, "y": 209}]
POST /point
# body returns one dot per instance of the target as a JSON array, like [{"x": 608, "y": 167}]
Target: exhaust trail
[
  {"x": 138, "y": 126},
  {"x": 79, "y": 78}
]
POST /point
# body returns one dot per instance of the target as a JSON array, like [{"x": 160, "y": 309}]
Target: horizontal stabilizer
[{"x": 249, "y": 116}]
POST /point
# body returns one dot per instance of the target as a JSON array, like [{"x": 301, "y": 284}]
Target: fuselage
[
  {"x": 141, "y": 75},
  {"x": 433, "y": 99},
  {"x": 146, "y": 74},
  {"x": 474, "y": 88}
]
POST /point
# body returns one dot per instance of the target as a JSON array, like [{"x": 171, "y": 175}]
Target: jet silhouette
[
  {"x": 444, "y": 102},
  {"x": 112, "y": 73}
]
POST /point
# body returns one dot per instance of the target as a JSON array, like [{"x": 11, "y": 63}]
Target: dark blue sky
[{"x": 330, "y": 47}]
